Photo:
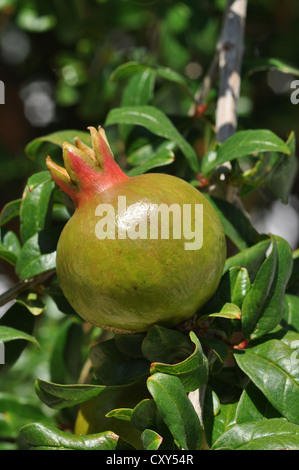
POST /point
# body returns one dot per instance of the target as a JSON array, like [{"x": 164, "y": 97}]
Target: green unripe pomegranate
[{"x": 137, "y": 251}]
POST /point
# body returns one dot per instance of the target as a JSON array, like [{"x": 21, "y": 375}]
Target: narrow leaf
[
  {"x": 43, "y": 437},
  {"x": 176, "y": 410},
  {"x": 244, "y": 143},
  {"x": 63, "y": 396},
  {"x": 156, "y": 122},
  {"x": 11, "y": 334}
]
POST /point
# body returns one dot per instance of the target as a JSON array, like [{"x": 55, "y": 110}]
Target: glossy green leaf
[
  {"x": 113, "y": 367},
  {"x": 235, "y": 223},
  {"x": 32, "y": 302},
  {"x": 11, "y": 334},
  {"x": 176, "y": 410},
  {"x": 228, "y": 310},
  {"x": 290, "y": 318},
  {"x": 156, "y": 122},
  {"x": 244, "y": 143},
  {"x": 161, "y": 158},
  {"x": 273, "y": 368},
  {"x": 263, "y": 306},
  {"x": 10, "y": 246},
  {"x": 56, "y": 138},
  {"x": 151, "y": 440},
  {"x": 268, "y": 434},
  {"x": 38, "y": 254},
  {"x": 192, "y": 372},
  {"x": 232, "y": 289},
  {"x": 251, "y": 258},
  {"x": 166, "y": 345},
  {"x": 139, "y": 90},
  {"x": 240, "y": 285},
  {"x": 254, "y": 406},
  {"x": 35, "y": 208},
  {"x": 217, "y": 418},
  {"x": 10, "y": 211},
  {"x": 60, "y": 396},
  {"x": 124, "y": 414},
  {"x": 67, "y": 359},
  {"x": 42, "y": 437}
]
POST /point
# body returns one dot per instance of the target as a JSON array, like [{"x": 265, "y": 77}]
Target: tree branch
[
  {"x": 22, "y": 286},
  {"x": 230, "y": 47}
]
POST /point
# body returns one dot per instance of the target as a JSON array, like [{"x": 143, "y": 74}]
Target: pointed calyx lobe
[{"x": 87, "y": 170}]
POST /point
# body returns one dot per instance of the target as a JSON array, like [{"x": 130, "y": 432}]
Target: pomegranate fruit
[{"x": 125, "y": 259}]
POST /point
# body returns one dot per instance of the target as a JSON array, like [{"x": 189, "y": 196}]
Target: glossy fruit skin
[{"x": 129, "y": 285}]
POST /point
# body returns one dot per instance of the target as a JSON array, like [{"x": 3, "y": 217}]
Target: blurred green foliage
[{"x": 56, "y": 59}]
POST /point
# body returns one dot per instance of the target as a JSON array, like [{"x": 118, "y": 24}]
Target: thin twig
[{"x": 22, "y": 286}]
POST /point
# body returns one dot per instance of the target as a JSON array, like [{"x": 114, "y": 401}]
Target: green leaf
[
  {"x": 176, "y": 410},
  {"x": 228, "y": 310},
  {"x": 35, "y": 208},
  {"x": 235, "y": 223},
  {"x": 21, "y": 327},
  {"x": 66, "y": 359},
  {"x": 271, "y": 63},
  {"x": 139, "y": 90},
  {"x": 32, "y": 302},
  {"x": 268, "y": 434},
  {"x": 273, "y": 368},
  {"x": 281, "y": 179},
  {"x": 15, "y": 412},
  {"x": 113, "y": 367},
  {"x": 254, "y": 406},
  {"x": 156, "y": 122},
  {"x": 11, "y": 334},
  {"x": 244, "y": 143},
  {"x": 9, "y": 246},
  {"x": 63, "y": 396},
  {"x": 56, "y": 138},
  {"x": 128, "y": 69},
  {"x": 151, "y": 440},
  {"x": 161, "y": 158},
  {"x": 263, "y": 306},
  {"x": 124, "y": 414},
  {"x": 166, "y": 345},
  {"x": 10, "y": 211},
  {"x": 42, "y": 437},
  {"x": 38, "y": 254},
  {"x": 217, "y": 419},
  {"x": 251, "y": 258},
  {"x": 192, "y": 372},
  {"x": 290, "y": 318}
]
